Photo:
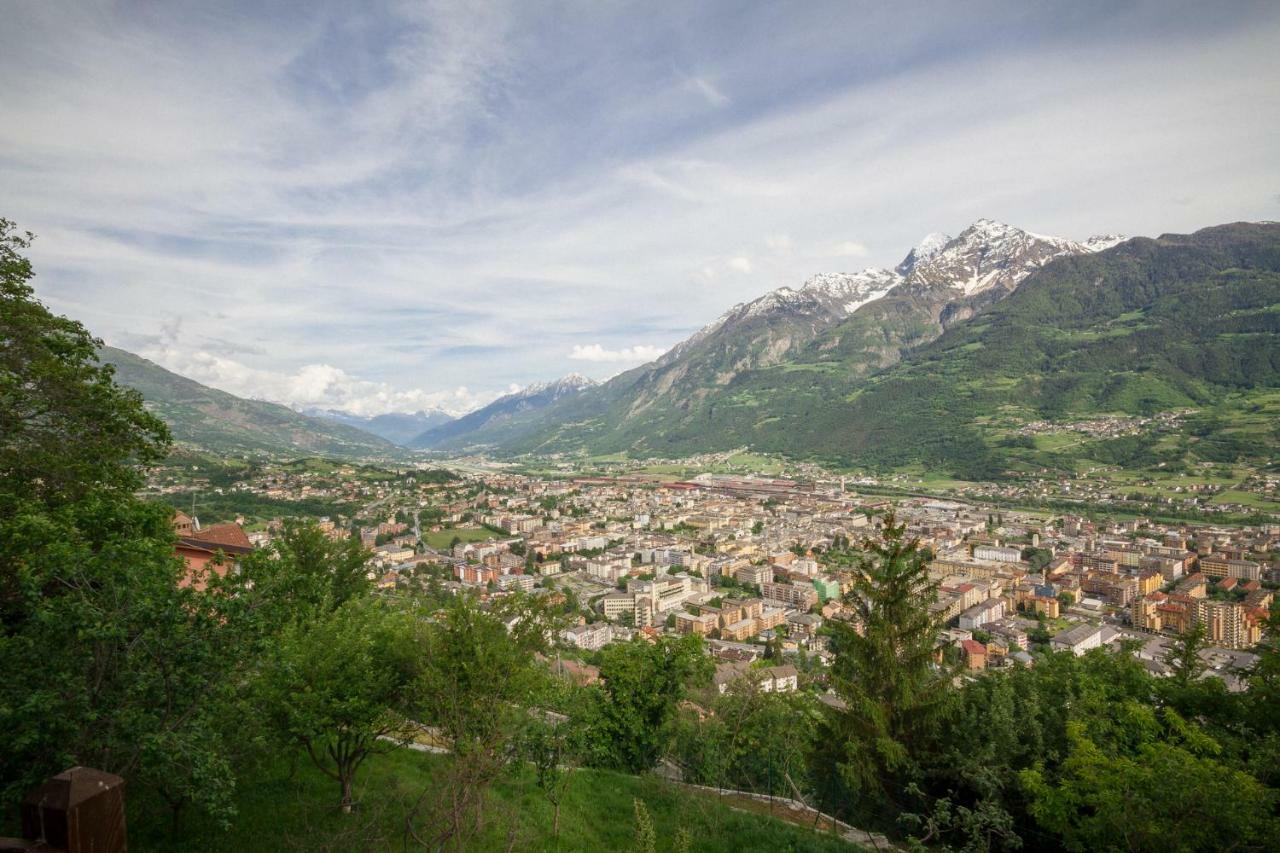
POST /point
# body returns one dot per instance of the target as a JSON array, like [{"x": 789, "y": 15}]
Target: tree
[
  {"x": 642, "y": 683},
  {"x": 1183, "y": 656},
  {"x": 478, "y": 681},
  {"x": 108, "y": 661},
  {"x": 305, "y": 573},
  {"x": 884, "y": 670},
  {"x": 337, "y": 687},
  {"x": 552, "y": 743},
  {"x": 752, "y": 740},
  {"x": 67, "y": 430},
  {"x": 1166, "y": 787}
]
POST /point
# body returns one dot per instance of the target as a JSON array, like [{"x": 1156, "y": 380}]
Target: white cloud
[
  {"x": 850, "y": 249},
  {"x": 636, "y": 354},
  {"x": 423, "y": 215},
  {"x": 312, "y": 386}
]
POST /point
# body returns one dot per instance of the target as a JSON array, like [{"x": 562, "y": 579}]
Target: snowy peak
[
  {"x": 827, "y": 296},
  {"x": 987, "y": 256},
  {"x": 931, "y": 245},
  {"x": 990, "y": 255},
  {"x": 823, "y": 299},
  {"x": 1102, "y": 242},
  {"x": 570, "y": 384}
]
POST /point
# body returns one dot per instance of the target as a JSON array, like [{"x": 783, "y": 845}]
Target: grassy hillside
[
  {"x": 295, "y": 809},
  {"x": 214, "y": 420}
]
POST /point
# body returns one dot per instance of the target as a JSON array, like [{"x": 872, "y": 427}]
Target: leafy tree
[
  {"x": 884, "y": 670},
  {"x": 108, "y": 661},
  {"x": 336, "y": 687},
  {"x": 305, "y": 573},
  {"x": 1164, "y": 788},
  {"x": 67, "y": 431},
  {"x": 751, "y": 740},
  {"x": 635, "y": 707},
  {"x": 479, "y": 678},
  {"x": 552, "y": 743}
]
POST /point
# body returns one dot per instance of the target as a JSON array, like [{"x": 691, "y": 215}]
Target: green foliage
[
  {"x": 634, "y": 708},
  {"x": 107, "y": 660},
  {"x": 477, "y": 690},
  {"x": 1163, "y": 787},
  {"x": 751, "y": 741},
  {"x": 886, "y": 674},
  {"x": 1183, "y": 657},
  {"x": 305, "y": 572},
  {"x": 334, "y": 686},
  {"x": 66, "y": 427}
]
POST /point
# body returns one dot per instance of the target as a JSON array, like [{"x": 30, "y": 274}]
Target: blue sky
[{"x": 388, "y": 206}]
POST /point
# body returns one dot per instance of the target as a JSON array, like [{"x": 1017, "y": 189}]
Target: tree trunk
[
  {"x": 347, "y": 800},
  {"x": 555, "y": 823}
]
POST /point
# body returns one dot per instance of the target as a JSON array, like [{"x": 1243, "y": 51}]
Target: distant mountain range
[
  {"x": 214, "y": 420},
  {"x": 940, "y": 361},
  {"x": 489, "y": 419},
  {"x": 870, "y": 317},
  {"x": 396, "y": 427}
]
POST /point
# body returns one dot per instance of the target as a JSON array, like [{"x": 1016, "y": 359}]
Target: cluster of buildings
[{"x": 756, "y": 563}]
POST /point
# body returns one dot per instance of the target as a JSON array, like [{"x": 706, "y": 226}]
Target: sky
[{"x": 394, "y": 206}]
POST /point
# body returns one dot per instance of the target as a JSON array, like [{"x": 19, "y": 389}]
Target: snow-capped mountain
[
  {"x": 990, "y": 254},
  {"x": 536, "y": 396},
  {"x": 823, "y": 299},
  {"x": 1101, "y": 242},
  {"x": 569, "y": 384},
  {"x": 931, "y": 245},
  {"x": 852, "y": 323}
]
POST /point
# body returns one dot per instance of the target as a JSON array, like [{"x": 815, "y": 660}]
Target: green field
[
  {"x": 441, "y": 539},
  {"x": 284, "y": 808}
]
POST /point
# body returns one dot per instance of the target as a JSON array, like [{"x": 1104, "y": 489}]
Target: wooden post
[{"x": 81, "y": 810}]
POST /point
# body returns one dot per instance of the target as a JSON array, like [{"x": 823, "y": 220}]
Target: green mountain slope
[
  {"x": 214, "y": 420},
  {"x": 856, "y": 323},
  {"x": 1179, "y": 322}
]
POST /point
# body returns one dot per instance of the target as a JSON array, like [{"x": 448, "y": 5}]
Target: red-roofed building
[
  {"x": 975, "y": 654},
  {"x": 209, "y": 550}
]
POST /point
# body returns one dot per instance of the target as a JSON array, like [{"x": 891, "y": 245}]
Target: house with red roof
[{"x": 206, "y": 551}]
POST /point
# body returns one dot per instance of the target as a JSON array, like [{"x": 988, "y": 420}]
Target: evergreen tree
[
  {"x": 885, "y": 671},
  {"x": 1183, "y": 656}
]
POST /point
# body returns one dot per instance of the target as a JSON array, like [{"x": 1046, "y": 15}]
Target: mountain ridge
[
  {"x": 399, "y": 428},
  {"x": 214, "y": 420},
  {"x": 871, "y": 317},
  {"x": 533, "y": 397}
]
